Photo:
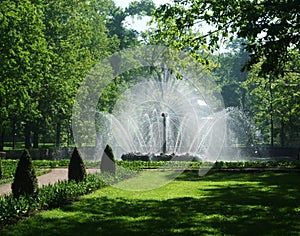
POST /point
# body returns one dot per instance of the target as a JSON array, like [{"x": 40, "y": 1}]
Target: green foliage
[
  {"x": 274, "y": 105},
  {"x": 76, "y": 169},
  {"x": 116, "y": 22},
  {"x": 51, "y": 164},
  {"x": 270, "y": 27},
  {"x": 24, "y": 59},
  {"x": 47, "y": 48},
  {"x": 108, "y": 161},
  {"x": 50, "y": 196},
  {"x": 25, "y": 180},
  {"x": 139, "y": 165},
  {"x": 229, "y": 74},
  {"x": 41, "y": 167},
  {"x": 140, "y": 8}
]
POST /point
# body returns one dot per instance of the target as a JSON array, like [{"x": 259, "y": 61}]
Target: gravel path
[{"x": 52, "y": 177}]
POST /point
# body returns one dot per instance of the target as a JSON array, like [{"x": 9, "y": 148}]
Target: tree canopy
[
  {"x": 271, "y": 28},
  {"x": 268, "y": 89},
  {"x": 47, "y": 47}
]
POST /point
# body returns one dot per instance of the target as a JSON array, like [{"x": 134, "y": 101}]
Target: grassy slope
[{"x": 219, "y": 204}]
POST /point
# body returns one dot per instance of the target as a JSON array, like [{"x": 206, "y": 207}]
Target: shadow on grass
[{"x": 232, "y": 203}]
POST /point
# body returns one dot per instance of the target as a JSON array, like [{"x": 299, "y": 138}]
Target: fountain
[
  {"x": 162, "y": 118},
  {"x": 164, "y": 146},
  {"x": 171, "y": 110}
]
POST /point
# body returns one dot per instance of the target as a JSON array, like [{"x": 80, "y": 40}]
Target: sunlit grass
[{"x": 217, "y": 204}]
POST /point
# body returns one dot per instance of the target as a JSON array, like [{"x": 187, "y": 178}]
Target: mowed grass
[{"x": 218, "y": 203}]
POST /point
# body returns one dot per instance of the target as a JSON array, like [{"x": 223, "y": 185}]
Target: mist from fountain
[{"x": 163, "y": 115}]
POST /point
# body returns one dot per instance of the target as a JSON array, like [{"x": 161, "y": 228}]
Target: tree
[
  {"x": 77, "y": 39},
  {"x": 108, "y": 161},
  {"x": 271, "y": 28},
  {"x": 25, "y": 181},
  {"x": 274, "y": 104},
  {"x": 128, "y": 37},
  {"x": 230, "y": 75},
  {"x": 23, "y": 60},
  {"x": 76, "y": 170}
]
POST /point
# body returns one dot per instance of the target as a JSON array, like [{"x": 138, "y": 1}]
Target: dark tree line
[{"x": 46, "y": 49}]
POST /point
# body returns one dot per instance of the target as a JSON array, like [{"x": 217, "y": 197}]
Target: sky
[
  {"x": 124, "y": 3},
  {"x": 139, "y": 25}
]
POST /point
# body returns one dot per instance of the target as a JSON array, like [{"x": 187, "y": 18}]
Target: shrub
[
  {"x": 108, "y": 161},
  {"x": 56, "y": 195},
  {"x": 25, "y": 180},
  {"x": 77, "y": 169}
]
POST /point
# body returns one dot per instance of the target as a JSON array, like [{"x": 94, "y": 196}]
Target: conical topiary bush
[
  {"x": 77, "y": 169},
  {"x": 108, "y": 161},
  {"x": 25, "y": 181}
]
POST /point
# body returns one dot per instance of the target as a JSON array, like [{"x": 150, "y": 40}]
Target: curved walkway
[{"x": 58, "y": 174}]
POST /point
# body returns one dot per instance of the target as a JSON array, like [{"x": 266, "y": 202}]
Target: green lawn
[{"x": 226, "y": 203}]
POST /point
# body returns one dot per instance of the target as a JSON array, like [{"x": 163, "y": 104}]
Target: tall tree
[
  {"x": 77, "y": 39},
  {"x": 23, "y": 59},
  {"x": 274, "y": 104}
]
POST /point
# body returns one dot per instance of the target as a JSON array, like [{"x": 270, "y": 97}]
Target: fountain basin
[{"x": 137, "y": 156}]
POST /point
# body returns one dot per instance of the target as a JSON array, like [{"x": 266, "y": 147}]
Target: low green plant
[
  {"x": 9, "y": 169},
  {"x": 56, "y": 195},
  {"x": 51, "y": 164},
  {"x": 138, "y": 165},
  {"x": 25, "y": 180}
]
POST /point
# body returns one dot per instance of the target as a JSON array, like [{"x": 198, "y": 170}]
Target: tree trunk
[
  {"x": 2, "y": 140},
  {"x": 27, "y": 136},
  {"x": 243, "y": 101},
  {"x": 58, "y": 127},
  {"x": 272, "y": 126},
  {"x": 282, "y": 139},
  {"x": 36, "y": 138},
  {"x": 271, "y": 112}
]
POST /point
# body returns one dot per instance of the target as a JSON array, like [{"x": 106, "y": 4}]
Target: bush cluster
[{"x": 56, "y": 195}]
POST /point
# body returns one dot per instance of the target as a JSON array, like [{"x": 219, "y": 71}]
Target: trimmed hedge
[
  {"x": 25, "y": 180},
  {"x": 76, "y": 170},
  {"x": 138, "y": 165},
  {"x": 108, "y": 161}
]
